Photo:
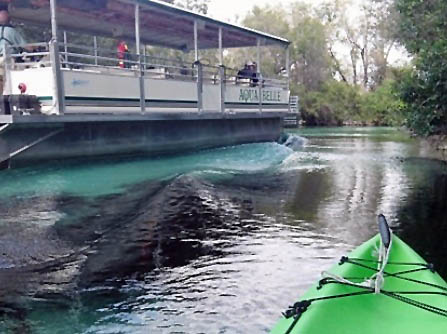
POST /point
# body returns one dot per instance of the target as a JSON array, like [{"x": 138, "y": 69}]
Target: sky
[
  {"x": 229, "y": 10},
  {"x": 233, "y": 10}
]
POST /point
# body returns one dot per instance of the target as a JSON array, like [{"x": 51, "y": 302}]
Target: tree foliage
[
  {"x": 423, "y": 30},
  {"x": 200, "y": 6}
]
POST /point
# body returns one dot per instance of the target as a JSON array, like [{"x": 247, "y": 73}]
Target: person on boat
[
  {"x": 254, "y": 74},
  {"x": 244, "y": 73},
  {"x": 123, "y": 54},
  {"x": 8, "y": 36}
]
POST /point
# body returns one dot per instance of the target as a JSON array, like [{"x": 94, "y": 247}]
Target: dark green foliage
[
  {"x": 339, "y": 103},
  {"x": 383, "y": 106},
  {"x": 423, "y": 30}
]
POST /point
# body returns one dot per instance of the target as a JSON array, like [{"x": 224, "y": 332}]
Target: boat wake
[{"x": 294, "y": 142}]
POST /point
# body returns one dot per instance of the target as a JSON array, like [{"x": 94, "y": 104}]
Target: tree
[
  {"x": 199, "y": 6},
  {"x": 366, "y": 39},
  {"x": 423, "y": 30},
  {"x": 309, "y": 58},
  {"x": 271, "y": 20}
]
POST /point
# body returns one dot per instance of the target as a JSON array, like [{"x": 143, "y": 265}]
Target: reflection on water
[{"x": 213, "y": 242}]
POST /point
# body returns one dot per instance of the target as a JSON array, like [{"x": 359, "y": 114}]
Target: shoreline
[{"x": 438, "y": 143}]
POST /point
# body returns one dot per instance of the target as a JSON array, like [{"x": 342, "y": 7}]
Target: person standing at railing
[
  {"x": 123, "y": 55},
  {"x": 8, "y": 36},
  {"x": 254, "y": 74}
]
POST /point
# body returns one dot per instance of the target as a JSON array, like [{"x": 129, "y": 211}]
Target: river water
[{"x": 219, "y": 241}]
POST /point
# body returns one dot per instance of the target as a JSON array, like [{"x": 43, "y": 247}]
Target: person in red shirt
[{"x": 123, "y": 54}]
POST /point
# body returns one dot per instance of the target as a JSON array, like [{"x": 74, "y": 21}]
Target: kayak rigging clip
[
  {"x": 431, "y": 267},
  {"x": 297, "y": 309},
  {"x": 324, "y": 281}
]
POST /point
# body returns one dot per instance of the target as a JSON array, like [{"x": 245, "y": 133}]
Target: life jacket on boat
[{"x": 123, "y": 55}]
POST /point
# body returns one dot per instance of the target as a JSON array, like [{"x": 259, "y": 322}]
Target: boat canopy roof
[{"x": 161, "y": 24}]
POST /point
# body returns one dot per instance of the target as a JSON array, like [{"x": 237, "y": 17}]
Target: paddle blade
[{"x": 384, "y": 230}]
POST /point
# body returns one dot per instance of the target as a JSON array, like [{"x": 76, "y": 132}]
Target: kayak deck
[{"x": 413, "y": 298}]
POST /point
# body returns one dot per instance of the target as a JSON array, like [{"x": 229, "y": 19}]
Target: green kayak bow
[{"x": 383, "y": 286}]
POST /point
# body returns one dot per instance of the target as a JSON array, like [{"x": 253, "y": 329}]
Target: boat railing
[
  {"x": 81, "y": 57},
  {"x": 234, "y": 77},
  {"x": 18, "y": 58}
]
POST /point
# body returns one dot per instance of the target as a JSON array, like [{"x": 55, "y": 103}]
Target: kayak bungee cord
[
  {"x": 374, "y": 284},
  {"x": 376, "y": 280},
  {"x": 300, "y": 307},
  {"x": 428, "y": 266}
]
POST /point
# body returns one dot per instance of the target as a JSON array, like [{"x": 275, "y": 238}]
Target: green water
[
  {"x": 219, "y": 241},
  {"x": 104, "y": 177}
]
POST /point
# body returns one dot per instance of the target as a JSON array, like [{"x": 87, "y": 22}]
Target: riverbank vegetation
[
  {"x": 340, "y": 66},
  {"x": 379, "y": 63}
]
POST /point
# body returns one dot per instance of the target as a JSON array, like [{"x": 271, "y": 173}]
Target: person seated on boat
[
  {"x": 8, "y": 36},
  {"x": 245, "y": 73},
  {"x": 123, "y": 54},
  {"x": 184, "y": 71}
]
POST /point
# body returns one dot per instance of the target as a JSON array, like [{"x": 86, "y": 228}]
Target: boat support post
[
  {"x": 58, "y": 87},
  {"x": 196, "y": 41},
  {"x": 140, "y": 64},
  {"x": 221, "y": 72},
  {"x": 258, "y": 62},
  {"x": 95, "y": 47},
  {"x": 65, "y": 46},
  {"x": 288, "y": 66},
  {"x": 199, "y": 67},
  {"x": 7, "y": 59}
]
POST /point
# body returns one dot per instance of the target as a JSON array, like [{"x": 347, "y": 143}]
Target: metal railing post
[
  {"x": 258, "y": 72},
  {"x": 196, "y": 41},
  {"x": 140, "y": 64},
  {"x": 95, "y": 45},
  {"x": 288, "y": 66},
  {"x": 260, "y": 91},
  {"x": 144, "y": 57},
  {"x": 7, "y": 84},
  {"x": 65, "y": 46},
  {"x": 58, "y": 82},
  {"x": 222, "y": 88},
  {"x": 220, "y": 46},
  {"x": 199, "y": 86}
]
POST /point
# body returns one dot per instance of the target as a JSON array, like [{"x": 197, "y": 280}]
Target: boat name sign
[{"x": 252, "y": 95}]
